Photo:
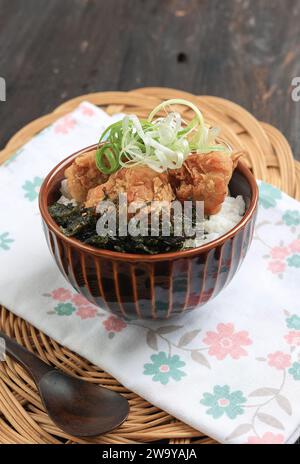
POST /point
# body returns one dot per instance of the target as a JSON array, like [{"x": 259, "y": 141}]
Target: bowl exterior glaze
[{"x": 151, "y": 287}]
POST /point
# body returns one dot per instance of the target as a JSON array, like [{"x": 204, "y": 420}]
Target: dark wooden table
[{"x": 247, "y": 51}]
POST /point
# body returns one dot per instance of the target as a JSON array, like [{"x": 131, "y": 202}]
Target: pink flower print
[
  {"x": 86, "y": 312},
  {"x": 279, "y": 360},
  {"x": 227, "y": 342},
  {"x": 61, "y": 294},
  {"x": 267, "y": 438},
  {"x": 279, "y": 252},
  {"x": 114, "y": 324},
  {"x": 293, "y": 338},
  {"x": 276, "y": 266},
  {"x": 295, "y": 246},
  {"x": 66, "y": 124},
  {"x": 87, "y": 111},
  {"x": 79, "y": 300}
]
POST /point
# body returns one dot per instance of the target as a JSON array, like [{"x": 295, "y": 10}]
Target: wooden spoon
[{"x": 78, "y": 407}]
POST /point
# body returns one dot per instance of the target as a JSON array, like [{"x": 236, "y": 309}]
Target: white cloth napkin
[{"x": 230, "y": 369}]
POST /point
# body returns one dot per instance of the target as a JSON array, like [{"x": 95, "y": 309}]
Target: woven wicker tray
[{"x": 22, "y": 416}]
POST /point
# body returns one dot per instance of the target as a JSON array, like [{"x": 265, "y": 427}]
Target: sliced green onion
[
  {"x": 178, "y": 101},
  {"x": 188, "y": 128},
  {"x": 109, "y": 128},
  {"x": 162, "y": 143},
  {"x": 104, "y": 155}
]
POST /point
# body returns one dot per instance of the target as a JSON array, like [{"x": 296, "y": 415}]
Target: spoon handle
[{"x": 34, "y": 365}]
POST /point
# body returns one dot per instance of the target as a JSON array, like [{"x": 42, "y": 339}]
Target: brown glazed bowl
[{"x": 150, "y": 286}]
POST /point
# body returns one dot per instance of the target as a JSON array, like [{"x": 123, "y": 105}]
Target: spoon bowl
[{"x": 79, "y": 408}]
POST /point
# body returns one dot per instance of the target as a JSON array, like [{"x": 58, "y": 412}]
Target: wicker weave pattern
[{"x": 22, "y": 417}]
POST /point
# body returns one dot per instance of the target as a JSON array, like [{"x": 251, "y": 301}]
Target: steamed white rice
[
  {"x": 229, "y": 216},
  {"x": 65, "y": 198}
]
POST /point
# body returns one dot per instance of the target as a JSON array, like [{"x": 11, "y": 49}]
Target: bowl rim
[{"x": 120, "y": 256}]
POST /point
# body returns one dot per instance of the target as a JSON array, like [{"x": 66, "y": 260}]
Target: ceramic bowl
[{"x": 150, "y": 286}]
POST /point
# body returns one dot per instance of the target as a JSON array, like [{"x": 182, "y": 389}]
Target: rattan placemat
[{"x": 22, "y": 416}]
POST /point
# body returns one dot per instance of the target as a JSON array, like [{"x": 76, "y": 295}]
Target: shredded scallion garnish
[{"x": 161, "y": 144}]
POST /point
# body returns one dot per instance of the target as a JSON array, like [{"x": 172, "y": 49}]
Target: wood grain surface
[{"x": 246, "y": 51}]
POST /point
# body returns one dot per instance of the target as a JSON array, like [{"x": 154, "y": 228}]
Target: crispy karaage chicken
[
  {"x": 141, "y": 184},
  {"x": 83, "y": 175},
  {"x": 204, "y": 177}
]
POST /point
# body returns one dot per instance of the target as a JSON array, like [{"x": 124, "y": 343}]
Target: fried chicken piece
[
  {"x": 141, "y": 183},
  {"x": 204, "y": 177},
  {"x": 82, "y": 175}
]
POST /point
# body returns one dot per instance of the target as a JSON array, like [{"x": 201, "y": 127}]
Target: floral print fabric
[{"x": 230, "y": 369}]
